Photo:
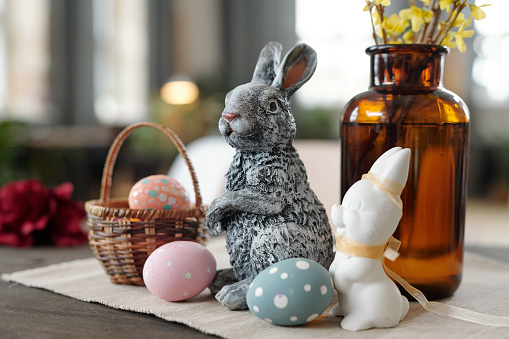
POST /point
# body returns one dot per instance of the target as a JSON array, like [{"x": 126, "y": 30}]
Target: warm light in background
[{"x": 180, "y": 92}]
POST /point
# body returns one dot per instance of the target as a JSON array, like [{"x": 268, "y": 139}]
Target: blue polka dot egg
[
  {"x": 158, "y": 192},
  {"x": 290, "y": 292}
]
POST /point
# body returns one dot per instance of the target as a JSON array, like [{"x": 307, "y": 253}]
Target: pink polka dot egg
[
  {"x": 158, "y": 192},
  {"x": 179, "y": 270}
]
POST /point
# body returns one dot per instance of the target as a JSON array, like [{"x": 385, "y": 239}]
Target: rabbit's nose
[{"x": 229, "y": 116}]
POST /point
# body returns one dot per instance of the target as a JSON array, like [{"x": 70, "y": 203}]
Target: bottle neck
[{"x": 406, "y": 67}]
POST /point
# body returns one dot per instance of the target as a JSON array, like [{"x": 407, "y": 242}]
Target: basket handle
[{"x": 115, "y": 148}]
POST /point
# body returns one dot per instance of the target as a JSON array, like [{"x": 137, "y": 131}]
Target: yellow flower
[
  {"x": 391, "y": 24},
  {"x": 445, "y": 4},
  {"x": 460, "y": 43},
  {"x": 368, "y": 6},
  {"x": 376, "y": 16},
  {"x": 459, "y": 39},
  {"x": 448, "y": 41},
  {"x": 460, "y": 20},
  {"x": 402, "y": 26},
  {"x": 427, "y": 15},
  {"x": 415, "y": 15},
  {"x": 477, "y": 13},
  {"x": 408, "y": 37},
  {"x": 383, "y": 2}
]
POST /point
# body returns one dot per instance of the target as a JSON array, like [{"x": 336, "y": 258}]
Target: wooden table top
[{"x": 36, "y": 313}]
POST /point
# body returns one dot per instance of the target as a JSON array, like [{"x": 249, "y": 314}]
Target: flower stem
[
  {"x": 373, "y": 25},
  {"x": 449, "y": 22},
  {"x": 380, "y": 10},
  {"x": 429, "y": 28}
]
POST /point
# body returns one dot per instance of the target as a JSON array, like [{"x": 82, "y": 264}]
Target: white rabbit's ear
[
  {"x": 381, "y": 159},
  {"x": 268, "y": 62},
  {"x": 297, "y": 67},
  {"x": 393, "y": 165}
]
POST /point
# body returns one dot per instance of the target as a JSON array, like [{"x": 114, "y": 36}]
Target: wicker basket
[{"x": 123, "y": 238}]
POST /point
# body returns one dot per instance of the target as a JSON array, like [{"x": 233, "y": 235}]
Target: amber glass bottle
[{"x": 406, "y": 105}]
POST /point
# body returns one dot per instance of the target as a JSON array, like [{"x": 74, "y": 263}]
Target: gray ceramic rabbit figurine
[{"x": 268, "y": 211}]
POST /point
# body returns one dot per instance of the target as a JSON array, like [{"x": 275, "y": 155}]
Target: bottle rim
[{"x": 402, "y": 48}]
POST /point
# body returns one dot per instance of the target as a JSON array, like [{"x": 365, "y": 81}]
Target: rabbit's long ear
[
  {"x": 268, "y": 62},
  {"x": 297, "y": 67}
]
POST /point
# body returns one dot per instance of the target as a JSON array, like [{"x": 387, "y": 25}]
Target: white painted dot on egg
[
  {"x": 172, "y": 200},
  {"x": 136, "y": 202},
  {"x": 166, "y": 189},
  {"x": 280, "y": 300},
  {"x": 312, "y": 316},
  {"x": 256, "y": 309},
  {"x": 186, "y": 294},
  {"x": 273, "y": 270},
  {"x": 180, "y": 245},
  {"x": 294, "y": 318},
  {"x": 168, "y": 263},
  {"x": 163, "y": 197},
  {"x": 284, "y": 275},
  {"x": 159, "y": 250},
  {"x": 145, "y": 275},
  {"x": 323, "y": 290},
  {"x": 259, "y": 292},
  {"x": 208, "y": 269},
  {"x": 268, "y": 320},
  {"x": 135, "y": 193},
  {"x": 301, "y": 264},
  {"x": 307, "y": 287},
  {"x": 187, "y": 275},
  {"x": 151, "y": 201}
]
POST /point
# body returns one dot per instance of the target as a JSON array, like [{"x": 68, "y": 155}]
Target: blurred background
[{"x": 74, "y": 73}]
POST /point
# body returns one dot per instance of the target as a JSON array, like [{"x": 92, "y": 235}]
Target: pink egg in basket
[
  {"x": 158, "y": 192},
  {"x": 179, "y": 270}
]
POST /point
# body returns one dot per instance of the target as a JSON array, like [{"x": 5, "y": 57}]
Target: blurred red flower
[{"x": 31, "y": 214}]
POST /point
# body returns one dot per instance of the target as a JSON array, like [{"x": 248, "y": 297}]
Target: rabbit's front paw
[
  {"x": 234, "y": 296},
  {"x": 216, "y": 209},
  {"x": 215, "y": 227},
  {"x": 214, "y": 214},
  {"x": 214, "y": 223}
]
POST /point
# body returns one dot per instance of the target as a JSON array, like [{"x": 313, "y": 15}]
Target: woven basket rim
[{"x": 101, "y": 208}]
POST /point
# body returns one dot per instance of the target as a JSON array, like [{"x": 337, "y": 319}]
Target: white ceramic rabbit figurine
[{"x": 369, "y": 215}]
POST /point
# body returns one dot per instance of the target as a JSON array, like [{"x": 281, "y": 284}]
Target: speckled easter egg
[
  {"x": 158, "y": 192},
  {"x": 290, "y": 292},
  {"x": 179, "y": 270}
]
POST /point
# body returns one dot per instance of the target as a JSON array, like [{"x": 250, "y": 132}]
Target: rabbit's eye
[{"x": 272, "y": 106}]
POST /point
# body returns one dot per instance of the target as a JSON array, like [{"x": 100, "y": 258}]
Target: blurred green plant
[
  {"x": 502, "y": 155},
  {"x": 316, "y": 123},
  {"x": 13, "y": 136}
]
